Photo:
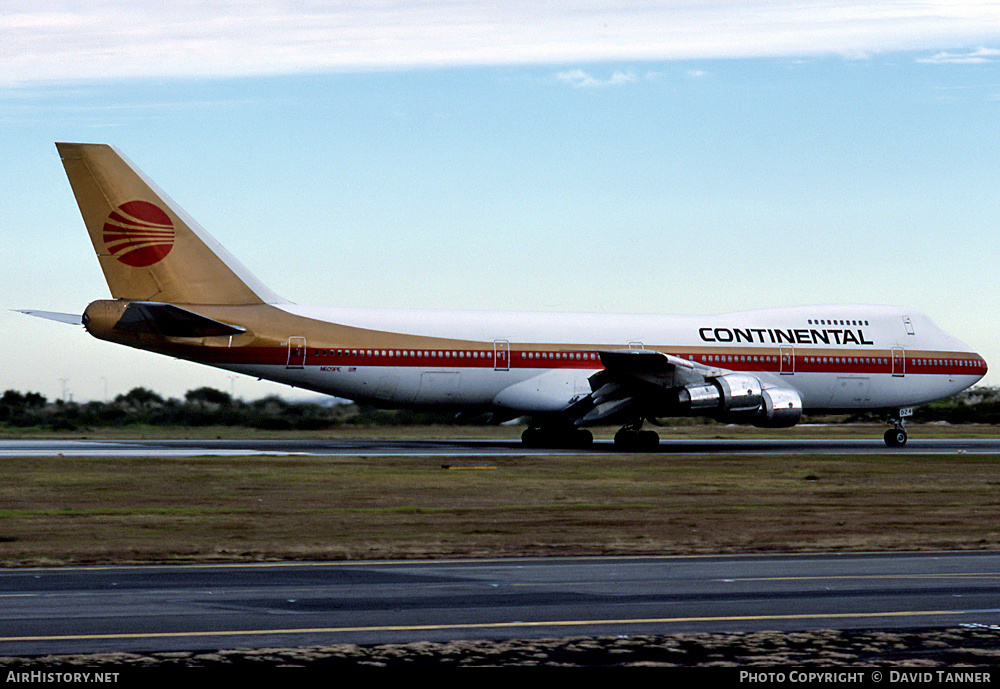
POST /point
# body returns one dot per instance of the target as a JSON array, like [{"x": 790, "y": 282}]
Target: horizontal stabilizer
[
  {"x": 171, "y": 321},
  {"x": 71, "y": 318}
]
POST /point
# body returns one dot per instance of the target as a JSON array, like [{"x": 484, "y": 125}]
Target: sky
[{"x": 690, "y": 157}]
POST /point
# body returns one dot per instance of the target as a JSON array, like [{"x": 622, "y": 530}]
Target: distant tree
[
  {"x": 12, "y": 399},
  {"x": 272, "y": 404},
  {"x": 140, "y": 399},
  {"x": 208, "y": 396},
  {"x": 21, "y": 409},
  {"x": 34, "y": 400}
]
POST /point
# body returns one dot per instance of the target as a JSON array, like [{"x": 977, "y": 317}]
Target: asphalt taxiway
[{"x": 199, "y": 607}]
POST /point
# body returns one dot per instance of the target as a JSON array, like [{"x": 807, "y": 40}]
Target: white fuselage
[{"x": 836, "y": 357}]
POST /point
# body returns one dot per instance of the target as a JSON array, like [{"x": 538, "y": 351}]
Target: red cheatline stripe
[{"x": 279, "y": 356}]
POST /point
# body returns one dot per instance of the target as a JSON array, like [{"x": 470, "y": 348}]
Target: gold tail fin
[{"x": 149, "y": 248}]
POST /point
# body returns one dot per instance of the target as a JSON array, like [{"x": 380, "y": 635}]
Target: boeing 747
[{"x": 177, "y": 292}]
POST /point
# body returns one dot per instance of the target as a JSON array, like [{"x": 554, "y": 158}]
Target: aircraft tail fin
[{"x": 148, "y": 247}]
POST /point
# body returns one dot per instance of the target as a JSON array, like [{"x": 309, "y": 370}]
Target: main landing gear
[
  {"x": 896, "y": 436},
  {"x": 632, "y": 438}
]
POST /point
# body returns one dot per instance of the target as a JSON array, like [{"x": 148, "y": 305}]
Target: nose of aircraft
[
  {"x": 971, "y": 366},
  {"x": 979, "y": 369}
]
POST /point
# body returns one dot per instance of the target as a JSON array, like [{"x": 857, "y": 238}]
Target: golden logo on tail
[{"x": 139, "y": 234}]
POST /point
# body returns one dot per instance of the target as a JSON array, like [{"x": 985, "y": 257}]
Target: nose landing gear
[{"x": 896, "y": 436}]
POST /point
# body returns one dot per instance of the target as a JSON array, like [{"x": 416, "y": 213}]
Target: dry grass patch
[{"x": 85, "y": 510}]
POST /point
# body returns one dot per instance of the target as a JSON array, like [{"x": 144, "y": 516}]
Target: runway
[
  {"x": 470, "y": 448},
  {"x": 202, "y": 607}
]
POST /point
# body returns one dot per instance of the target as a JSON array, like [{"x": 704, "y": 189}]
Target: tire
[
  {"x": 532, "y": 437},
  {"x": 582, "y": 439},
  {"x": 895, "y": 437},
  {"x": 636, "y": 441},
  {"x": 649, "y": 440}
]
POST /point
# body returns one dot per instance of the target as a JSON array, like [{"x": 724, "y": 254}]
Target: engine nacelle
[
  {"x": 741, "y": 394},
  {"x": 742, "y": 398},
  {"x": 782, "y": 408}
]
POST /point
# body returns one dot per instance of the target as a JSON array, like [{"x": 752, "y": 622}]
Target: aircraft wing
[
  {"x": 636, "y": 382},
  {"x": 645, "y": 384},
  {"x": 171, "y": 321}
]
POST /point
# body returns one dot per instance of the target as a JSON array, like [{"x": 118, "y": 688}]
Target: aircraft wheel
[
  {"x": 631, "y": 440},
  {"x": 895, "y": 437},
  {"x": 624, "y": 439},
  {"x": 532, "y": 437},
  {"x": 582, "y": 438}
]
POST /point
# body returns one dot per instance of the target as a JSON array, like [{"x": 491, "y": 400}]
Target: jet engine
[{"x": 742, "y": 398}]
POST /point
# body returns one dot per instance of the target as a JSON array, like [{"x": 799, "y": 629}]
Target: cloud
[
  {"x": 577, "y": 78},
  {"x": 974, "y": 57},
  {"x": 55, "y": 40}
]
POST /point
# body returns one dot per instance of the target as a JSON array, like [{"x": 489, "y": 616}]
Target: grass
[{"x": 62, "y": 510}]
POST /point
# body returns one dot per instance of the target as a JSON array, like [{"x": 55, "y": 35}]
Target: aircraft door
[
  {"x": 898, "y": 362},
  {"x": 296, "y": 352},
  {"x": 787, "y": 359},
  {"x": 501, "y": 355}
]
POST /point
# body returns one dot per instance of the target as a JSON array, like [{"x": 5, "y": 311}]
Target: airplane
[{"x": 176, "y": 291}]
